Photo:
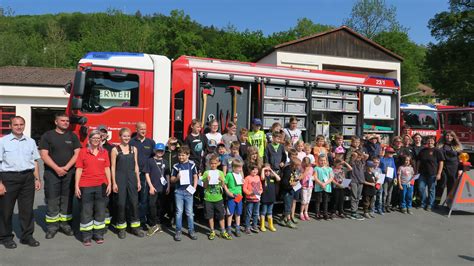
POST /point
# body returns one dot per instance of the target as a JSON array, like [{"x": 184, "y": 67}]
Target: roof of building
[
  {"x": 426, "y": 90},
  {"x": 35, "y": 76},
  {"x": 342, "y": 28}
]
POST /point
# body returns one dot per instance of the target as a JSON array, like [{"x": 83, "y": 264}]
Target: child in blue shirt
[
  {"x": 183, "y": 196},
  {"x": 387, "y": 162},
  {"x": 323, "y": 178}
]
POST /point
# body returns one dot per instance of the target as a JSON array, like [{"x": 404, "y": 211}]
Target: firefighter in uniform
[{"x": 59, "y": 149}]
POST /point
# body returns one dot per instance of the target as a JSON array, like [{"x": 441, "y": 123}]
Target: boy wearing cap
[
  {"x": 157, "y": 176},
  {"x": 257, "y": 137},
  {"x": 389, "y": 169}
]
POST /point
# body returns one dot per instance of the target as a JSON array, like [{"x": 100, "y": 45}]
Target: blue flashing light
[
  {"x": 403, "y": 105},
  {"x": 108, "y": 55}
]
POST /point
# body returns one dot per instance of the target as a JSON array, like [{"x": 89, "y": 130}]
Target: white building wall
[{"x": 26, "y": 97}]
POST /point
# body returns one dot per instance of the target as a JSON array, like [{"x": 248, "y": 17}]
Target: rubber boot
[
  {"x": 270, "y": 224},
  {"x": 262, "y": 223}
]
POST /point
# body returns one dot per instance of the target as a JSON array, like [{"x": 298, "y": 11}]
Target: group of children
[{"x": 247, "y": 174}]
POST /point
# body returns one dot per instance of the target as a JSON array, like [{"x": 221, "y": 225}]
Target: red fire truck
[
  {"x": 420, "y": 118},
  {"x": 120, "y": 89},
  {"x": 459, "y": 120}
]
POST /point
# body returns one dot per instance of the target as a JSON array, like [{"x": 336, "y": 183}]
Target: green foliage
[
  {"x": 61, "y": 40},
  {"x": 413, "y": 59},
  {"x": 371, "y": 17},
  {"x": 450, "y": 62}
]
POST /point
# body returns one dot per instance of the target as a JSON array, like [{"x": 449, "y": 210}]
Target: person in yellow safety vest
[{"x": 257, "y": 137}]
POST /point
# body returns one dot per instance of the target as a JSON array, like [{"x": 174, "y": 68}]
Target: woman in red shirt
[{"x": 92, "y": 188}]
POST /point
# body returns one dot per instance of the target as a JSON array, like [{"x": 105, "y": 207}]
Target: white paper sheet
[
  {"x": 191, "y": 189},
  {"x": 163, "y": 181},
  {"x": 184, "y": 177},
  {"x": 213, "y": 177},
  {"x": 297, "y": 186},
  {"x": 381, "y": 179},
  {"x": 390, "y": 172},
  {"x": 346, "y": 182},
  {"x": 238, "y": 179},
  {"x": 200, "y": 183}
]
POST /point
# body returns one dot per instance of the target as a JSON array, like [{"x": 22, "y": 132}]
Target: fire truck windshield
[
  {"x": 420, "y": 119},
  {"x": 103, "y": 91}
]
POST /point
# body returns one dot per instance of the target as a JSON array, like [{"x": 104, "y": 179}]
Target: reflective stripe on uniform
[
  {"x": 65, "y": 217},
  {"x": 121, "y": 226},
  {"x": 107, "y": 220},
  {"x": 135, "y": 224},
  {"x": 99, "y": 225},
  {"x": 50, "y": 219},
  {"x": 86, "y": 227}
]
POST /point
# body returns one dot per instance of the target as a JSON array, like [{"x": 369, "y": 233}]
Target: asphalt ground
[{"x": 424, "y": 238}]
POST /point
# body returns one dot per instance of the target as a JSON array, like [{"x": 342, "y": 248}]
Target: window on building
[{"x": 6, "y": 112}]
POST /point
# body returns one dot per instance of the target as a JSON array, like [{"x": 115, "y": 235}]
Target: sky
[{"x": 266, "y": 15}]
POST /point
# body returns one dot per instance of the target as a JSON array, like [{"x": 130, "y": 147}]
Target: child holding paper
[
  {"x": 158, "y": 178},
  {"x": 185, "y": 174},
  {"x": 340, "y": 169},
  {"x": 252, "y": 189},
  {"x": 275, "y": 152},
  {"x": 380, "y": 178},
  {"x": 233, "y": 187},
  {"x": 324, "y": 176},
  {"x": 269, "y": 179},
  {"x": 387, "y": 164},
  {"x": 307, "y": 187},
  {"x": 289, "y": 181},
  {"x": 405, "y": 176},
  {"x": 213, "y": 181},
  {"x": 369, "y": 189}
]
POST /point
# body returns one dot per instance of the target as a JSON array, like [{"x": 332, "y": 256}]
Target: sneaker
[
  {"x": 409, "y": 211},
  {"x": 248, "y": 231},
  {"x": 177, "y": 236},
  {"x": 137, "y": 232},
  {"x": 403, "y": 210},
  {"x": 428, "y": 209},
  {"x": 212, "y": 235},
  {"x": 152, "y": 230},
  {"x": 294, "y": 220},
  {"x": 254, "y": 229},
  {"x": 226, "y": 236},
  {"x": 67, "y": 230},
  {"x": 302, "y": 217},
  {"x": 387, "y": 210},
  {"x": 193, "y": 235},
  {"x": 99, "y": 240},
  {"x": 290, "y": 224},
  {"x": 371, "y": 215},
  {"x": 356, "y": 216},
  {"x": 87, "y": 243},
  {"x": 341, "y": 215},
  {"x": 238, "y": 233},
  {"x": 50, "y": 234},
  {"x": 366, "y": 215},
  {"x": 122, "y": 234}
]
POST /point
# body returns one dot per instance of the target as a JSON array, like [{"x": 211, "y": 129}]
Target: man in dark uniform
[
  {"x": 19, "y": 178},
  {"x": 144, "y": 151},
  {"x": 59, "y": 149}
]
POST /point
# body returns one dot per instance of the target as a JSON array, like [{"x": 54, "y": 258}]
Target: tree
[
  {"x": 413, "y": 59},
  {"x": 450, "y": 62},
  {"x": 370, "y": 17},
  {"x": 56, "y": 45}
]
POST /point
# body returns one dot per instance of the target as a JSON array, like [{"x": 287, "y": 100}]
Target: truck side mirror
[
  {"x": 68, "y": 87},
  {"x": 79, "y": 83},
  {"x": 76, "y": 104}
]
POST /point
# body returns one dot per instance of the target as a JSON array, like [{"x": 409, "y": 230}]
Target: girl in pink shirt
[{"x": 307, "y": 187}]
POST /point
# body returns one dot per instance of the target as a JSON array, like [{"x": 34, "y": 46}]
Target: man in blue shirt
[
  {"x": 144, "y": 147},
  {"x": 19, "y": 178}
]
